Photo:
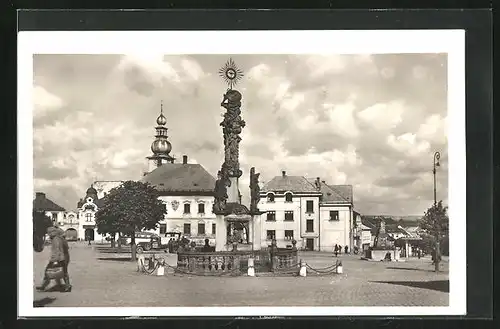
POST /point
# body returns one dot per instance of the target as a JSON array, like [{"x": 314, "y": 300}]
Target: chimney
[
  {"x": 318, "y": 184},
  {"x": 40, "y": 195},
  {"x": 184, "y": 159},
  {"x": 283, "y": 173}
]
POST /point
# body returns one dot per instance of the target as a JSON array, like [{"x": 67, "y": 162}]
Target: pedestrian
[
  {"x": 59, "y": 258},
  {"x": 419, "y": 253},
  {"x": 336, "y": 250},
  {"x": 340, "y": 249},
  {"x": 346, "y": 249}
]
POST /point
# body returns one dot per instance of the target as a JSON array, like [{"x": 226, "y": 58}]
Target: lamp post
[{"x": 437, "y": 156}]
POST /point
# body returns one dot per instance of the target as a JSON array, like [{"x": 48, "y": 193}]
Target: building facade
[
  {"x": 186, "y": 190},
  {"x": 52, "y": 210},
  {"x": 317, "y": 215}
]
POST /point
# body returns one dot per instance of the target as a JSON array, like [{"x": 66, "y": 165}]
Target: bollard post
[
  {"x": 251, "y": 268},
  {"x": 140, "y": 263},
  {"x": 303, "y": 270},
  {"x": 340, "y": 269},
  {"x": 161, "y": 268}
]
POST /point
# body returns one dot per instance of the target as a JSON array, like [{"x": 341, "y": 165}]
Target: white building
[
  {"x": 317, "y": 215},
  {"x": 186, "y": 189}
]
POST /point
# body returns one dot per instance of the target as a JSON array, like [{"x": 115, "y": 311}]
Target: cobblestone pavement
[{"x": 112, "y": 283}]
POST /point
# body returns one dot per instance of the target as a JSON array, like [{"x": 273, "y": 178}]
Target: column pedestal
[
  {"x": 256, "y": 232},
  {"x": 221, "y": 233}
]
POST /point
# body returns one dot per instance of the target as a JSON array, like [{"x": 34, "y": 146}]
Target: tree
[
  {"x": 128, "y": 208},
  {"x": 435, "y": 223},
  {"x": 40, "y": 224}
]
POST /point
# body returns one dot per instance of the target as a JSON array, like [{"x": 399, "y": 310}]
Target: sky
[{"x": 371, "y": 121}]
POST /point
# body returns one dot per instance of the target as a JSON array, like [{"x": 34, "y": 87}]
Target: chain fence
[{"x": 286, "y": 271}]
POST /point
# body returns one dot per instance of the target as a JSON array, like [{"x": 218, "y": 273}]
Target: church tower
[{"x": 160, "y": 147}]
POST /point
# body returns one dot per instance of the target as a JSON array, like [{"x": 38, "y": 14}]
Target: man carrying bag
[{"x": 57, "y": 268}]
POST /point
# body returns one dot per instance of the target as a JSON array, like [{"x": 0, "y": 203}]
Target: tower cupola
[{"x": 160, "y": 147}]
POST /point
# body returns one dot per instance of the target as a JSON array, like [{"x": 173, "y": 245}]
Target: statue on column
[
  {"x": 220, "y": 193},
  {"x": 232, "y": 125},
  {"x": 254, "y": 190}
]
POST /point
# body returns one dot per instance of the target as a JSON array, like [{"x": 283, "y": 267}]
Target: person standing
[
  {"x": 59, "y": 257},
  {"x": 346, "y": 249},
  {"x": 336, "y": 250}
]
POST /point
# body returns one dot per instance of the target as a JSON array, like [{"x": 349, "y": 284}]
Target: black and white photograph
[{"x": 242, "y": 173}]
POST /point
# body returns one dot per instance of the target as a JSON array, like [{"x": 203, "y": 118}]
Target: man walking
[{"x": 59, "y": 257}]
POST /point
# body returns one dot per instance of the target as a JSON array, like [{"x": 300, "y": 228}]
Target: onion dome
[
  {"x": 91, "y": 191},
  {"x": 161, "y": 146},
  {"x": 161, "y": 120}
]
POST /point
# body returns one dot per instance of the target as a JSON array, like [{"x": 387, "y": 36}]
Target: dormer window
[
  {"x": 288, "y": 197},
  {"x": 270, "y": 197}
]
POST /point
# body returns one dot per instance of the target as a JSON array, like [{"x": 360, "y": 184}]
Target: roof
[
  {"x": 295, "y": 184},
  {"x": 334, "y": 193},
  {"x": 42, "y": 203},
  {"x": 179, "y": 177},
  {"x": 344, "y": 190}
]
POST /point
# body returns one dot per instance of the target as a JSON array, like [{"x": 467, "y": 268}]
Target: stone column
[
  {"x": 221, "y": 233},
  {"x": 250, "y": 232},
  {"x": 256, "y": 232},
  {"x": 233, "y": 191}
]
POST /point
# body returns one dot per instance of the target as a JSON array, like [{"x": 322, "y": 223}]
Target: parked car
[{"x": 144, "y": 241}]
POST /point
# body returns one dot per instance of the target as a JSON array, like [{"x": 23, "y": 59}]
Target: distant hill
[{"x": 404, "y": 221}]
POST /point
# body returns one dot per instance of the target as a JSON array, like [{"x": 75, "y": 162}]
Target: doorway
[
  {"x": 310, "y": 244},
  {"x": 89, "y": 234}
]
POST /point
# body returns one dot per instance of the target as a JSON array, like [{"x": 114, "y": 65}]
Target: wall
[
  {"x": 175, "y": 217},
  {"x": 314, "y": 216},
  {"x": 335, "y": 231},
  {"x": 280, "y": 225}
]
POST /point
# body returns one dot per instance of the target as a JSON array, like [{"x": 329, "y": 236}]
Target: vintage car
[{"x": 144, "y": 241}]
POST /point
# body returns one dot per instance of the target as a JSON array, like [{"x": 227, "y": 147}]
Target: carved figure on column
[
  {"x": 232, "y": 126},
  {"x": 220, "y": 193},
  {"x": 254, "y": 190}
]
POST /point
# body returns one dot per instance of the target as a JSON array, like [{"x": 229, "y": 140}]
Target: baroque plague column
[{"x": 237, "y": 226}]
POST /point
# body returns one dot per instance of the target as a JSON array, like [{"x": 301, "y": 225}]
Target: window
[
  {"x": 310, "y": 225},
  {"x": 163, "y": 228},
  {"x": 201, "y": 228},
  {"x": 288, "y": 234},
  {"x": 289, "y": 216},
  {"x": 187, "y": 228},
  {"x": 334, "y": 215},
  {"x": 187, "y": 208},
  {"x": 271, "y": 234},
  {"x": 165, "y": 207},
  {"x": 309, "y": 206},
  {"x": 213, "y": 228},
  {"x": 271, "y": 216},
  {"x": 288, "y": 197},
  {"x": 88, "y": 217},
  {"x": 201, "y": 208},
  {"x": 270, "y": 197}
]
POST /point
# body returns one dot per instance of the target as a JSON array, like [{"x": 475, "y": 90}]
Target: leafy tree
[
  {"x": 435, "y": 223},
  {"x": 128, "y": 208},
  {"x": 40, "y": 224}
]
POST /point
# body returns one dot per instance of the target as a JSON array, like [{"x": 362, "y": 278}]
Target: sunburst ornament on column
[{"x": 231, "y": 73}]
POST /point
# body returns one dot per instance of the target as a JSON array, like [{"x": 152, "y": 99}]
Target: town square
[{"x": 240, "y": 180}]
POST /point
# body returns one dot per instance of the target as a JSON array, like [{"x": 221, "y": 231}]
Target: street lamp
[{"x": 437, "y": 156}]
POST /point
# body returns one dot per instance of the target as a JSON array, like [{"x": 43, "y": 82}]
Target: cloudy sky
[{"x": 372, "y": 121}]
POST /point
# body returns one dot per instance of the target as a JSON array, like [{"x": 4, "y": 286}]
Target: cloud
[
  {"x": 373, "y": 121},
  {"x": 45, "y": 102}
]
